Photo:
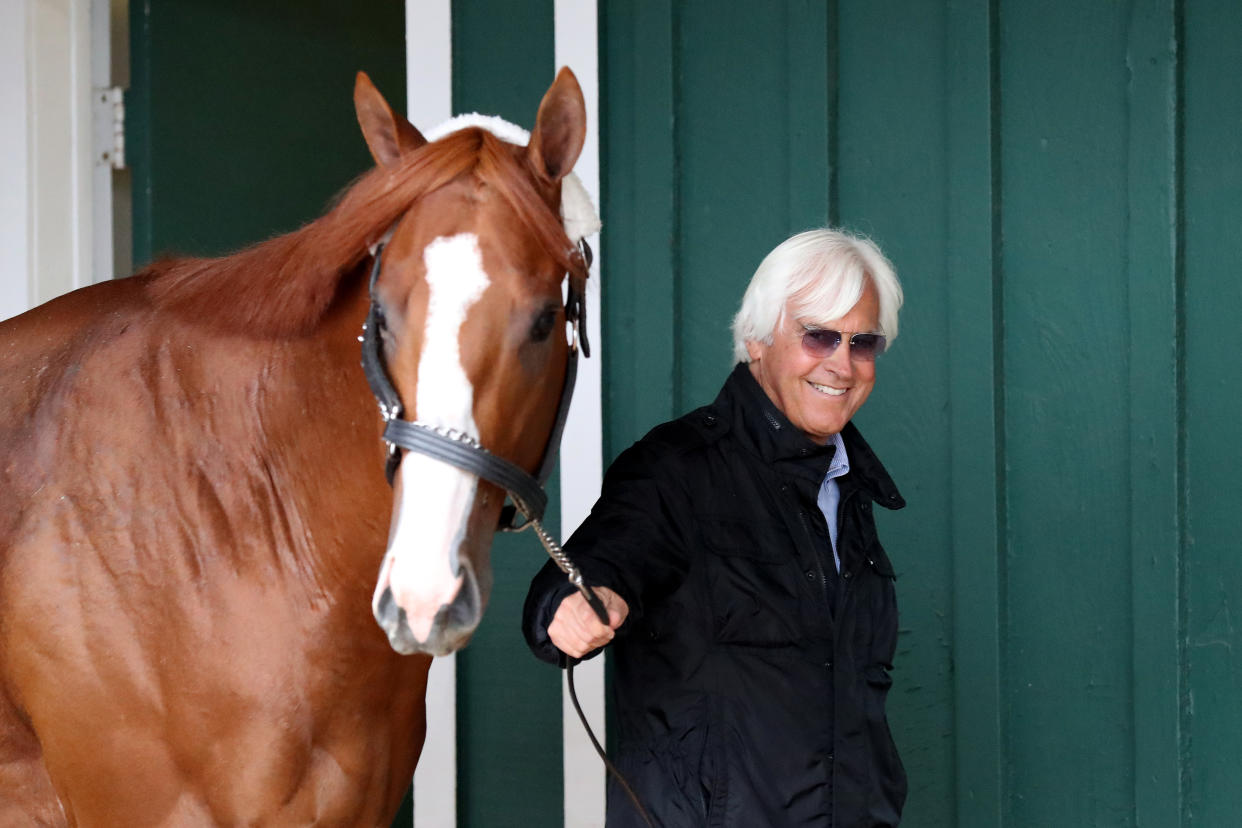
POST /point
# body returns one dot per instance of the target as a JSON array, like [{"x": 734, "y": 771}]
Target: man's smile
[{"x": 826, "y": 389}]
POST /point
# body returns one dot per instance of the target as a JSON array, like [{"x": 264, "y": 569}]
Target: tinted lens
[
  {"x": 867, "y": 346},
  {"x": 820, "y": 343}
]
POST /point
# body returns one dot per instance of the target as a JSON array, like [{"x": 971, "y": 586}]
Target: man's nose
[{"x": 839, "y": 361}]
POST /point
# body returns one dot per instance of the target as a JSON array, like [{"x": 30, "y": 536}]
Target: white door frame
[{"x": 56, "y": 187}]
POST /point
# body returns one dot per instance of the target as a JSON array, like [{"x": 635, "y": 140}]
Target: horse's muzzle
[{"x": 450, "y": 629}]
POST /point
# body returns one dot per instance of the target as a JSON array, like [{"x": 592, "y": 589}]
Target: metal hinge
[{"x": 109, "y": 107}]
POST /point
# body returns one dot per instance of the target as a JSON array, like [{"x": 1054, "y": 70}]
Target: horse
[{"x": 193, "y": 502}]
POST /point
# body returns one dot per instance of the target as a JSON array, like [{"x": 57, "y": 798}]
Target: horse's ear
[
  {"x": 388, "y": 134},
  {"x": 560, "y": 128}
]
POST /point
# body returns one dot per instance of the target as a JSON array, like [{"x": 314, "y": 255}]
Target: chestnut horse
[{"x": 193, "y": 504}]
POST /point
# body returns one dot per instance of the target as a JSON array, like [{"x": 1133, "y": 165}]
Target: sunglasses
[{"x": 864, "y": 347}]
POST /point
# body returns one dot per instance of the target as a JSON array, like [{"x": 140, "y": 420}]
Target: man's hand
[{"x": 576, "y": 631}]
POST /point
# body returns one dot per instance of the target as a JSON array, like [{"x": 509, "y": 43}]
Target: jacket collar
[{"x": 764, "y": 429}]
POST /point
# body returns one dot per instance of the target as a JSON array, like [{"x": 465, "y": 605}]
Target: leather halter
[{"x": 459, "y": 449}]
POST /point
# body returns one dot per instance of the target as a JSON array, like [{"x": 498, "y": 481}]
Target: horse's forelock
[{"x": 513, "y": 180}]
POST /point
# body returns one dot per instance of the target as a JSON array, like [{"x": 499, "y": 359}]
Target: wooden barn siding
[
  {"x": 1209, "y": 392},
  {"x": 1058, "y": 185},
  {"x": 240, "y": 115}
]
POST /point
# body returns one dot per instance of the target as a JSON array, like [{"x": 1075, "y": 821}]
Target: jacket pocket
[
  {"x": 673, "y": 772},
  {"x": 733, "y": 537},
  {"x": 750, "y": 579},
  {"x": 889, "y": 772}
]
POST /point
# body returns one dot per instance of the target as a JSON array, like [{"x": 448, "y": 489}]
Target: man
[{"x": 753, "y": 616}]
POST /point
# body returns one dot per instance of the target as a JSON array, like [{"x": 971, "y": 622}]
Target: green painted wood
[
  {"x": 892, "y": 171},
  {"x": 1156, "y": 305},
  {"x": 1212, "y": 712},
  {"x": 638, "y": 206},
  {"x": 733, "y": 149},
  {"x": 508, "y": 704},
  {"x": 1064, "y": 169},
  {"x": 810, "y": 71},
  {"x": 976, "y": 415},
  {"x": 241, "y": 115},
  {"x": 1059, "y": 185}
]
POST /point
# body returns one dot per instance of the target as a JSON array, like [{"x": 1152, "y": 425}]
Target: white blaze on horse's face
[{"x": 423, "y": 574}]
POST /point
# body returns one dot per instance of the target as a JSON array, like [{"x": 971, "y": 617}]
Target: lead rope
[{"x": 557, "y": 554}]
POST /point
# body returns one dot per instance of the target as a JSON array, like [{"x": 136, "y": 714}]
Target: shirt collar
[
  {"x": 840, "y": 459},
  {"x": 766, "y": 428}
]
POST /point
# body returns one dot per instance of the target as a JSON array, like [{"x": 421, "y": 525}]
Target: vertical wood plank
[
  {"x": 735, "y": 172},
  {"x": 892, "y": 156},
  {"x": 976, "y": 388},
  {"x": 638, "y": 65},
  {"x": 1155, "y": 311},
  {"x": 809, "y": 67},
  {"x": 1212, "y": 170},
  {"x": 1068, "y": 630}
]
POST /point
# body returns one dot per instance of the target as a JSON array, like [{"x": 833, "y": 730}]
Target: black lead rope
[
  {"x": 603, "y": 755},
  {"x": 464, "y": 452}
]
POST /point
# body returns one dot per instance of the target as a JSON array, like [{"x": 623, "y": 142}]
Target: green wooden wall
[
  {"x": 1059, "y": 184},
  {"x": 241, "y": 118}
]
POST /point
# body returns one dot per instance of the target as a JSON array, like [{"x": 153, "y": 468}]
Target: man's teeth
[{"x": 826, "y": 389}]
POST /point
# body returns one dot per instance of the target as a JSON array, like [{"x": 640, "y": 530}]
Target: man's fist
[{"x": 576, "y": 631}]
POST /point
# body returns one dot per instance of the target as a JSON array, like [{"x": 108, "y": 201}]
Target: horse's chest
[{"x": 234, "y": 709}]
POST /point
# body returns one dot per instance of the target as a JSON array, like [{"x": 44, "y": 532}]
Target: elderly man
[{"x": 753, "y": 616}]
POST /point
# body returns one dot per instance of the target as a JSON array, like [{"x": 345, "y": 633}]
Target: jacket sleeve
[{"x": 633, "y": 542}]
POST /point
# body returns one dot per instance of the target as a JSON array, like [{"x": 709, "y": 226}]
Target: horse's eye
[{"x": 542, "y": 326}]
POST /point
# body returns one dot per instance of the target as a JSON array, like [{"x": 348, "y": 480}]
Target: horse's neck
[{"x": 313, "y": 449}]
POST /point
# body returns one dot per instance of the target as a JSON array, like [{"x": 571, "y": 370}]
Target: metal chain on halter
[{"x": 572, "y": 573}]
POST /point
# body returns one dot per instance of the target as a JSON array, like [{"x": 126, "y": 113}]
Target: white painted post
[
  {"x": 16, "y": 287},
  {"x": 582, "y": 445}
]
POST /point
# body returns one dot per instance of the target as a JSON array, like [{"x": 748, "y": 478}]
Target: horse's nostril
[
  {"x": 449, "y": 630},
  {"x": 467, "y": 607}
]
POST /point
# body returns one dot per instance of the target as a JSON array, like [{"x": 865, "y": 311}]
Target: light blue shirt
[{"x": 830, "y": 493}]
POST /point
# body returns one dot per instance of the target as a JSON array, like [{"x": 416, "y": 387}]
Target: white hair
[{"x": 821, "y": 275}]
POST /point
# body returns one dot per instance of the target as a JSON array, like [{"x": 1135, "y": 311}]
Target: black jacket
[{"x": 749, "y": 679}]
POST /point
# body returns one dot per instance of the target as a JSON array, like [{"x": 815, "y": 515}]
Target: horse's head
[{"x": 474, "y": 342}]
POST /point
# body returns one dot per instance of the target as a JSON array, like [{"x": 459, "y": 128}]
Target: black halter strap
[{"x": 462, "y": 450}]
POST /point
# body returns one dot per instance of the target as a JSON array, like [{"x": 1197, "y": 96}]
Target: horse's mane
[{"x": 283, "y": 286}]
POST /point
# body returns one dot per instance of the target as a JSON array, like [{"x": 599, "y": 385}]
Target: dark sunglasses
[{"x": 864, "y": 347}]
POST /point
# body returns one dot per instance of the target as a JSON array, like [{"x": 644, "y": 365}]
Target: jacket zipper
[
  {"x": 819, "y": 565},
  {"x": 849, "y": 574}
]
